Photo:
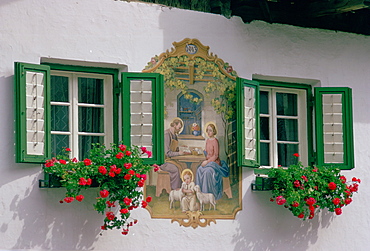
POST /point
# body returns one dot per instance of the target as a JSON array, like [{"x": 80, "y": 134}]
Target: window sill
[{"x": 190, "y": 137}]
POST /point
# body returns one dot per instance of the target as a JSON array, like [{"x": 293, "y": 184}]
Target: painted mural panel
[{"x": 199, "y": 181}]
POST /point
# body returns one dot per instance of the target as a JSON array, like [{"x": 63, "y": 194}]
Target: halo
[
  {"x": 187, "y": 170},
  {"x": 207, "y": 124},
  {"x": 182, "y": 122}
]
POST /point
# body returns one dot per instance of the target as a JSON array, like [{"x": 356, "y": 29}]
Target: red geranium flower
[
  {"x": 296, "y": 155},
  {"x": 336, "y": 201},
  {"x": 122, "y": 147},
  {"x": 143, "y": 149},
  {"x": 127, "y": 201},
  {"x": 110, "y": 215},
  {"x": 149, "y": 154},
  {"x": 297, "y": 183},
  {"x": 140, "y": 183},
  {"x": 310, "y": 201},
  {"x": 343, "y": 178},
  {"x": 102, "y": 170},
  {"x": 127, "y": 165},
  {"x": 82, "y": 181},
  {"x": 127, "y": 177},
  {"x": 128, "y": 153},
  {"x": 119, "y": 155},
  {"x": 49, "y": 163},
  {"x": 148, "y": 199},
  {"x": 68, "y": 149},
  {"x": 110, "y": 204},
  {"x": 68, "y": 199},
  {"x": 124, "y": 211},
  {"x": 332, "y": 186},
  {"x": 338, "y": 211},
  {"x": 156, "y": 167},
  {"x": 87, "y": 162},
  {"x": 104, "y": 193},
  {"x": 348, "y": 201},
  {"x": 80, "y": 197},
  {"x": 280, "y": 200},
  {"x": 62, "y": 161}
]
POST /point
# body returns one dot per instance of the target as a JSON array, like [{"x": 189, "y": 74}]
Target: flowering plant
[
  {"x": 119, "y": 173},
  {"x": 303, "y": 190}
]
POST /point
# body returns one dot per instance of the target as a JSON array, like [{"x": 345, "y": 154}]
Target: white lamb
[
  {"x": 205, "y": 198},
  {"x": 174, "y": 196}
]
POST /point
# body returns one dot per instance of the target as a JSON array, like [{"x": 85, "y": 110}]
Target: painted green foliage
[{"x": 224, "y": 101}]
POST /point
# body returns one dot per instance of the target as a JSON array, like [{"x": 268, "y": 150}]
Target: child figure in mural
[
  {"x": 210, "y": 172},
  {"x": 189, "y": 201},
  {"x": 171, "y": 148}
]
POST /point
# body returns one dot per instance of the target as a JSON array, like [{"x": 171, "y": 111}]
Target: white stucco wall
[{"x": 115, "y": 32}]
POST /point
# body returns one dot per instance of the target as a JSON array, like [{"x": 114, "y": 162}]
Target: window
[
  {"x": 74, "y": 106},
  {"x": 282, "y": 126},
  {"x": 80, "y": 106},
  {"x": 276, "y": 120}
]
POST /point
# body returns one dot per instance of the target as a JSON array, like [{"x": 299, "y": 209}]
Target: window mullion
[
  {"x": 74, "y": 114},
  {"x": 273, "y": 129}
]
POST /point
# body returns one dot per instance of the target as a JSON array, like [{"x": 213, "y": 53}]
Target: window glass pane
[
  {"x": 60, "y": 118},
  {"x": 265, "y": 154},
  {"x": 90, "y": 91},
  {"x": 264, "y": 102},
  {"x": 285, "y": 154},
  {"x": 58, "y": 142},
  {"x": 59, "y": 89},
  {"x": 85, "y": 144},
  {"x": 287, "y": 130},
  {"x": 286, "y": 104},
  {"x": 90, "y": 119},
  {"x": 265, "y": 128}
]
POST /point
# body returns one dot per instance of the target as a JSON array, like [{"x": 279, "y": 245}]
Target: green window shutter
[
  {"x": 248, "y": 122},
  {"x": 143, "y": 113},
  {"x": 32, "y": 104},
  {"x": 334, "y": 127}
]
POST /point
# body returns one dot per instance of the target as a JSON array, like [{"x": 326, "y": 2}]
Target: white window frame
[
  {"x": 74, "y": 105},
  {"x": 302, "y": 123}
]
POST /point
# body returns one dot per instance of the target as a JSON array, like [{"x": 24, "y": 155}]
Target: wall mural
[{"x": 200, "y": 180}]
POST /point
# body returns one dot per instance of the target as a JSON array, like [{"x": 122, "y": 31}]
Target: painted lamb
[
  {"x": 205, "y": 198},
  {"x": 174, "y": 196}
]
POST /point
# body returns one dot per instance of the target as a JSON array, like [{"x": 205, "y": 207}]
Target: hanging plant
[
  {"x": 306, "y": 190},
  {"x": 119, "y": 173}
]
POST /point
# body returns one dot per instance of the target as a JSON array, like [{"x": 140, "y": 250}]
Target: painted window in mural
[{"x": 190, "y": 112}]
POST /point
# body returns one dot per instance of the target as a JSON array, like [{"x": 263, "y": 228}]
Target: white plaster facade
[{"x": 128, "y": 34}]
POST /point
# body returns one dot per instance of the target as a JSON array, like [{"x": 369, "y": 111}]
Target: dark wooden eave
[{"x": 339, "y": 15}]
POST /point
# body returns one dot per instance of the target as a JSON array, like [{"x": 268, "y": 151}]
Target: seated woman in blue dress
[{"x": 210, "y": 172}]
